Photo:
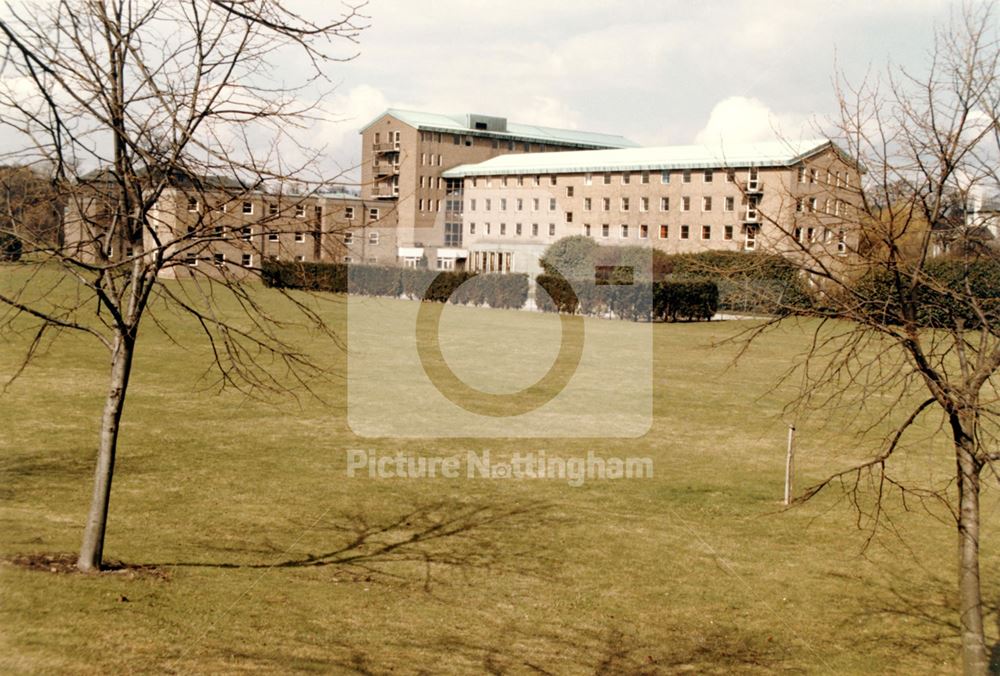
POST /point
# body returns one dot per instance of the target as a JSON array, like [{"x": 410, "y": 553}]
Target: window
[
  {"x": 300, "y": 210},
  {"x": 452, "y": 234},
  {"x": 472, "y": 205},
  {"x": 798, "y": 205},
  {"x": 300, "y": 237},
  {"x": 685, "y": 204},
  {"x": 841, "y": 243},
  {"x": 517, "y": 229},
  {"x": 455, "y": 139},
  {"x": 520, "y": 204},
  {"x": 605, "y": 230},
  {"x": 624, "y": 231},
  {"x": 489, "y": 204},
  {"x": 644, "y": 204},
  {"x": 191, "y": 259},
  {"x": 750, "y": 238},
  {"x": 802, "y": 175},
  {"x": 706, "y": 232},
  {"x": 552, "y": 229},
  {"x": 586, "y": 204},
  {"x": 588, "y": 179},
  {"x": 643, "y": 232},
  {"x": 537, "y": 180},
  {"x": 665, "y": 176},
  {"x": 730, "y": 204},
  {"x": 607, "y": 179},
  {"x": 535, "y": 204},
  {"x": 248, "y": 207},
  {"x": 810, "y": 234},
  {"x": 487, "y": 228},
  {"x": 373, "y": 214},
  {"x": 727, "y": 232},
  {"x": 664, "y": 204},
  {"x": 349, "y": 213},
  {"x": 730, "y": 175},
  {"x": 552, "y": 204},
  {"x": 219, "y": 258},
  {"x": 812, "y": 205},
  {"x": 247, "y": 260},
  {"x": 706, "y": 203},
  {"x": 812, "y": 175},
  {"x": 626, "y": 178},
  {"x": 246, "y": 233},
  {"x": 272, "y": 209},
  {"x": 272, "y": 237},
  {"x": 686, "y": 176},
  {"x": 503, "y": 182},
  {"x": 472, "y": 228},
  {"x": 644, "y": 177},
  {"x": 192, "y": 204},
  {"x": 534, "y": 229},
  {"x": 569, "y": 191},
  {"x": 503, "y": 204},
  {"x": 708, "y": 176},
  {"x": 446, "y": 263},
  {"x": 348, "y": 237},
  {"x": 586, "y": 229},
  {"x": 520, "y": 181},
  {"x": 420, "y": 204},
  {"x": 503, "y": 228},
  {"x": 685, "y": 231},
  {"x": 373, "y": 238},
  {"x": 664, "y": 231},
  {"x": 569, "y": 216},
  {"x": 624, "y": 204},
  {"x": 553, "y": 179},
  {"x": 606, "y": 203}
]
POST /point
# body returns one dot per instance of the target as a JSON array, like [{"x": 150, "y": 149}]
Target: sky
[{"x": 659, "y": 72}]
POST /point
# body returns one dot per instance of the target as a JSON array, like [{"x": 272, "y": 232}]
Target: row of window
[
  {"x": 624, "y": 204},
  {"x": 833, "y": 178},
  {"x": 518, "y": 229},
  {"x": 468, "y": 140},
  {"x": 625, "y": 231},
  {"x": 247, "y": 207},
  {"x": 625, "y": 177},
  {"x": 812, "y": 206}
]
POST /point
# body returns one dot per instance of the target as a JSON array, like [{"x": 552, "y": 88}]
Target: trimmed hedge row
[
  {"x": 673, "y": 300},
  {"x": 493, "y": 289},
  {"x": 949, "y": 293}
]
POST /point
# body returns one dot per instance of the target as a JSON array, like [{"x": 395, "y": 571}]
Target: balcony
[
  {"x": 385, "y": 169},
  {"x": 390, "y": 147},
  {"x": 385, "y": 192},
  {"x": 755, "y": 186},
  {"x": 752, "y": 216}
]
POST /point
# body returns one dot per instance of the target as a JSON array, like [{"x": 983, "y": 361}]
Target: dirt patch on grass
[{"x": 65, "y": 564}]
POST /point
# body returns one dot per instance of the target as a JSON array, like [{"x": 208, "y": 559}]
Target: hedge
[
  {"x": 493, "y": 289},
  {"x": 672, "y": 300},
  {"x": 947, "y": 294}
]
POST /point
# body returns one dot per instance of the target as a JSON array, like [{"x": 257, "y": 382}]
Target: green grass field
[{"x": 250, "y": 550}]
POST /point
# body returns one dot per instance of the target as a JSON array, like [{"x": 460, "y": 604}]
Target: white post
[{"x": 789, "y": 464}]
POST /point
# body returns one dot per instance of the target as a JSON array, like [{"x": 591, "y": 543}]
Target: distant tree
[
  {"x": 155, "y": 95},
  {"x": 903, "y": 333},
  {"x": 30, "y": 207}
]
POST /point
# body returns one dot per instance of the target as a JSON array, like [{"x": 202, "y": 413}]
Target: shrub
[
  {"x": 495, "y": 290},
  {"x": 10, "y": 248},
  {"x": 690, "y": 299}
]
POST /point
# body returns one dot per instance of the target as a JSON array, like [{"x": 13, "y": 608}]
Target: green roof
[
  {"x": 768, "y": 154},
  {"x": 514, "y": 130}
]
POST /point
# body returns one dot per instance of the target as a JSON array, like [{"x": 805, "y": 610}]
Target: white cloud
[{"x": 739, "y": 119}]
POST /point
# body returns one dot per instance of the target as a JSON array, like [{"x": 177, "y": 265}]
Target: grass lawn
[{"x": 262, "y": 555}]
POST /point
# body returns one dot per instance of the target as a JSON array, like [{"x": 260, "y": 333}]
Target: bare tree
[
  {"x": 906, "y": 331},
  {"x": 149, "y": 111}
]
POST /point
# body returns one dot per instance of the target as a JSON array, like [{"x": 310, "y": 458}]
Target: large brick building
[
  {"x": 406, "y": 153},
  {"x": 783, "y": 197}
]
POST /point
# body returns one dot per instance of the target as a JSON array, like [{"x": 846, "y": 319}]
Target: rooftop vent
[{"x": 486, "y": 123}]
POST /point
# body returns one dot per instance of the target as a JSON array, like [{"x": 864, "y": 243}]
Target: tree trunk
[
  {"x": 92, "y": 549},
  {"x": 974, "y": 659}
]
